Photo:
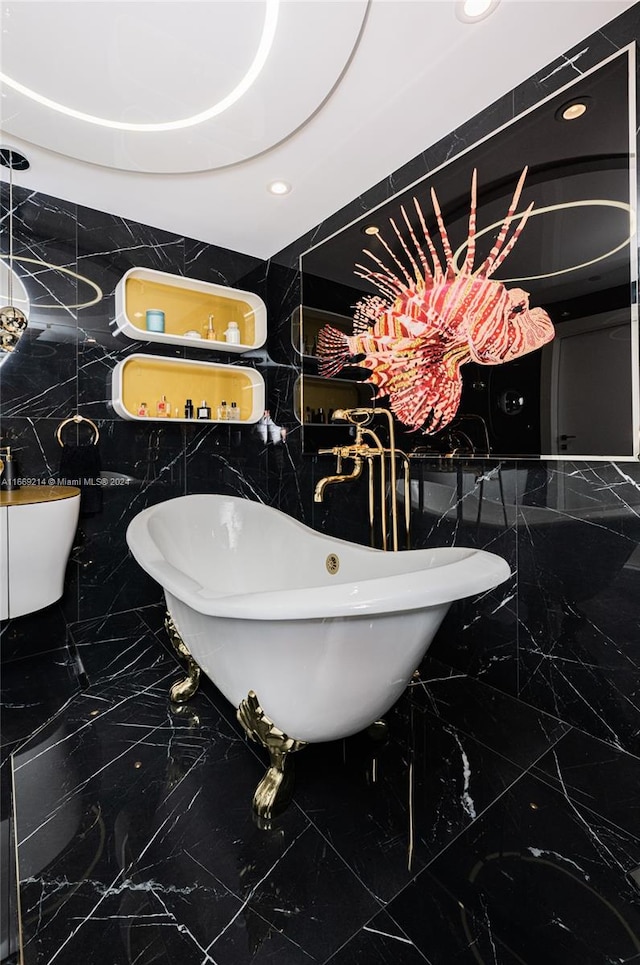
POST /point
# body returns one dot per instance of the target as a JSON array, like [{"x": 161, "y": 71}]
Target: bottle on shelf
[
  {"x": 188, "y": 409},
  {"x": 143, "y": 409},
  {"x": 234, "y": 412},
  {"x": 163, "y": 408},
  {"x": 232, "y": 334},
  {"x": 204, "y": 412},
  {"x": 209, "y": 331},
  {"x": 223, "y": 412}
]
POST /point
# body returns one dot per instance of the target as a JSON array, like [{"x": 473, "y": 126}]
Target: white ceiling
[{"x": 347, "y": 91}]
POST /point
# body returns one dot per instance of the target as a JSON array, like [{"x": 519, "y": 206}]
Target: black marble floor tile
[
  {"x": 595, "y": 776},
  {"x": 516, "y": 730},
  {"x": 136, "y": 826},
  {"x": 544, "y": 884},
  {"x": 137, "y": 840},
  {"x": 405, "y": 799},
  {"x": 380, "y": 942},
  {"x": 444, "y": 931},
  {"x": 120, "y": 644},
  {"x": 30, "y": 636}
]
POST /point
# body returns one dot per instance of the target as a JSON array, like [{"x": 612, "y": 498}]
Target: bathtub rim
[{"x": 369, "y": 596}]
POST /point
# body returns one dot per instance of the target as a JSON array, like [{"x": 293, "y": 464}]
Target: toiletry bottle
[
  {"x": 223, "y": 412},
  {"x": 9, "y": 477},
  {"x": 188, "y": 409},
  {"x": 143, "y": 409},
  {"x": 232, "y": 333},
  {"x": 209, "y": 331},
  {"x": 163, "y": 409},
  {"x": 204, "y": 412},
  {"x": 234, "y": 412}
]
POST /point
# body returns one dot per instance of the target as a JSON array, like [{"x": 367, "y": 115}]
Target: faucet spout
[{"x": 318, "y": 494}]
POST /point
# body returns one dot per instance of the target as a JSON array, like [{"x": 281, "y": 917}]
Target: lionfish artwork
[{"x": 415, "y": 336}]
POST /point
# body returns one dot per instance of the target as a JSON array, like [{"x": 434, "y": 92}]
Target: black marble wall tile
[
  {"x": 221, "y": 265},
  {"x": 283, "y": 297},
  {"x": 108, "y": 246},
  {"x": 39, "y": 378},
  {"x": 577, "y": 585},
  {"x": 109, "y": 578},
  {"x": 463, "y": 508}
]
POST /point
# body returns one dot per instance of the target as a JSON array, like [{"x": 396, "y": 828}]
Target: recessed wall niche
[{"x": 577, "y": 395}]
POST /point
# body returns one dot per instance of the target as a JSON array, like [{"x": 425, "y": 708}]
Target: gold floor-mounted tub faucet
[{"x": 361, "y": 451}]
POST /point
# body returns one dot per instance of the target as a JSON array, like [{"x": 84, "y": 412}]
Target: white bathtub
[{"x": 249, "y": 590}]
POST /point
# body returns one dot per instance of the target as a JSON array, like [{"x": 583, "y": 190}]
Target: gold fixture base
[
  {"x": 273, "y": 793},
  {"x": 182, "y": 689}
]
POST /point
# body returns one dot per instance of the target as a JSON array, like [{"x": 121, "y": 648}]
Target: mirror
[{"x": 526, "y": 344}]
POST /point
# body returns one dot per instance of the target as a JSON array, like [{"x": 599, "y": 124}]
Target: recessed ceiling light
[
  {"x": 371, "y": 229},
  {"x": 279, "y": 187},
  {"x": 470, "y": 11},
  {"x": 569, "y": 112}
]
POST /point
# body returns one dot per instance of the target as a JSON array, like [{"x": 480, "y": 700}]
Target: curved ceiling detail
[{"x": 203, "y": 86}]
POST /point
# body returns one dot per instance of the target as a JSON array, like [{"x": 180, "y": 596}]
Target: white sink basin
[{"x": 37, "y": 526}]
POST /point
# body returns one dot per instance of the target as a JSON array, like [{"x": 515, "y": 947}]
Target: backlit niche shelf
[
  {"x": 315, "y": 398},
  {"x": 146, "y": 378},
  {"x": 187, "y": 304}
]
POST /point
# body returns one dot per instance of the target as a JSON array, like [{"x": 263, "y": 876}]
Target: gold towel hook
[{"x": 77, "y": 419}]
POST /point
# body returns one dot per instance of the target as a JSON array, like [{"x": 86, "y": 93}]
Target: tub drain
[{"x": 332, "y": 563}]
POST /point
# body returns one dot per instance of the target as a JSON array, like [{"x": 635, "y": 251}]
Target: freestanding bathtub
[{"x": 325, "y": 632}]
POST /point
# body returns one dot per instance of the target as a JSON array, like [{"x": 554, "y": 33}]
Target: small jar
[
  {"x": 143, "y": 409},
  {"x": 155, "y": 320}
]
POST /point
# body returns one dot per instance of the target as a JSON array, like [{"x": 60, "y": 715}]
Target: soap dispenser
[{"x": 9, "y": 477}]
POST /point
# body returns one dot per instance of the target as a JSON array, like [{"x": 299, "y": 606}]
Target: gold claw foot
[
  {"x": 273, "y": 793},
  {"x": 378, "y": 731},
  {"x": 182, "y": 689}
]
